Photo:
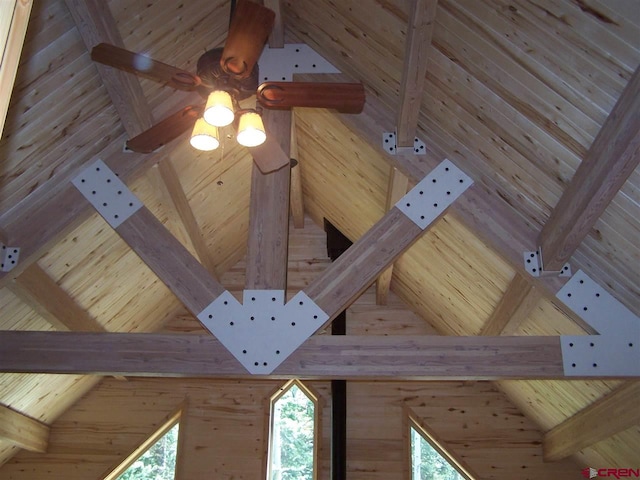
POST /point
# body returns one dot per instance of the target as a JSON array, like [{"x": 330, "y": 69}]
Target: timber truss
[{"x": 283, "y": 344}]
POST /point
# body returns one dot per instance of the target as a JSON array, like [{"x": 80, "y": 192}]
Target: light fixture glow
[
  {"x": 251, "y": 130},
  {"x": 204, "y": 136},
  {"x": 219, "y": 109}
]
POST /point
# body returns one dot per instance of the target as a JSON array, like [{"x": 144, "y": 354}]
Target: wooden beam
[
  {"x": 612, "y": 157},
  {"x": 269, "y": 214},
  {"x": 398, "y": 184},
  {"x": 22, "y": 431},
  {"x": 604, "y": 418},
  {"x": 514, "y": 307},
  {"x": 352, "y": 273},
  {"x": 181, "y": 203},
  {"x": 322, "y": 356},
  {"x": 38, "y": 290},
  {"x": 96, "y": 25},
  {"x": 276, "y": 39},
  {"x": 295, "y": 194},
  {"x": 170, "y": 261},
  {"x": 14, "y": 18},
  {"x": 420, "y": 29}
]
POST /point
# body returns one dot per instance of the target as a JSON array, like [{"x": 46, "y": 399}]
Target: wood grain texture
[
  {"x": 269, "y": 215},
  {"x": 398, "y": 185},
  {"x": 611, "y": 159},
  {"x": 296, "y": 194},
  {"x": 514, "y": 307},
  {"x": 13, "y": 27},
  {"x": 181, "y": 203},
  {"x": 607, "y": 416},
  {"x": 322, "y": 356},
  {"x": 357, "y": 268},
  {"x": 420, "y": 29},
  {"x": 170, "y": 261},
  {"x": 23, "y": 431},
  {"x": 38, "y": 290}
]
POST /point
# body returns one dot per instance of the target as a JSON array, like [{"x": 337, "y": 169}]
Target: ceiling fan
[{"x": 224, "y": 77}]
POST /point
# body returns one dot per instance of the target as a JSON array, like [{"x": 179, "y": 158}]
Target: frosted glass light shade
[
  {"x": 204, "y": 136},
  {"x": 251, "y": 130},
  {"x": 219, "y": 109}
]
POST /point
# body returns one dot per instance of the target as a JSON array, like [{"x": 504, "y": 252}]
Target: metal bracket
[
  {"x": 616, "y": 351},
  {"x": 280, "y": 64},
  {"x": 434, "y": 193},
  {"x": 107, "y": 193},
  {"x": 9, "y": 257},
  {"x": 262, "y": 331},
  {"x": 390, "y": 146},
  {"x": 533, "y": 264},
  {"x": 600, "y": 356}
]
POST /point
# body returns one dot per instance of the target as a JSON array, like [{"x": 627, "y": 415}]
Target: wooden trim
[
  {"x": 39, "y": 291},
  {"x": 23, "y": 431},
  {"x": 321, "y": 357},
  {"x": 268, "y": 240},
  {"x": 612, "y": 157},
  {"x": 14, "y": 19},
  {"x": 170, "y": 261},
  {"x": 514, "y": 307},
  {"x": 604, "y": 418},
  {"x": 420, "y": 29}
]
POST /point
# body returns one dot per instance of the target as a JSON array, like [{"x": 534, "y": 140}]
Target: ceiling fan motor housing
[{"x": 215, "y": 78}]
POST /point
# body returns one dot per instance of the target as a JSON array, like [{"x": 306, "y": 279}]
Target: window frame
[
  {"x": 277, "y": 395},
  {"x": 171, "y": 421},
  {"x": 415, "y": 424}
]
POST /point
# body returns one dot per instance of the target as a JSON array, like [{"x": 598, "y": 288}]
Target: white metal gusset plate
[
  {"x": 389, "y": 144},
  {"x": 107, "y": 193},
  {"x": 599, "y": 308},
  {"x": 600, "y": 355},
  {"x": 533, "y": 264},
  {"x": 279, "y": 64},
  {"x": 262, "y": 332},
  {"x": 429, "y": 198},
  {"x": 8, "y": 257}
]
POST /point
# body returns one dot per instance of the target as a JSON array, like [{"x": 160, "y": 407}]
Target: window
[
  {"x": 293, "y": 433},
  {"x": 155, "y": 459},
  {"x": 429, "y": 461}
]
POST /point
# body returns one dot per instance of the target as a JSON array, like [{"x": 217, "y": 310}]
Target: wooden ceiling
[{"x": 515, "y": 94}]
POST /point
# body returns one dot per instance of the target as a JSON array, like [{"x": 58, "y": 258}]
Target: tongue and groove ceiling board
[{"x": 515, "y": 94}]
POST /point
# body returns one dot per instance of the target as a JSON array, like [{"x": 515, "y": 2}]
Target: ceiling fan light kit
[
  {"x": 205, "y": 136},
  {"x": 219, "y": 109},
  {"x": 251, "y": 131}
]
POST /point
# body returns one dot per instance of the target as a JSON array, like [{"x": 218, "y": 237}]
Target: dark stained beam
[
  {"x": 322, "y": 356},
  {"x": 612, "y": 157}
]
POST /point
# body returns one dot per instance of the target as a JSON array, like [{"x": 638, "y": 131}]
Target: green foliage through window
[
  {"x": 291, "y": 442},
  {"x": 427, "y": 463},
  {"x": 158, "y": 462}
]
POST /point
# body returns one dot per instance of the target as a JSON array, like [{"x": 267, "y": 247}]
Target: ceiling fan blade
[
  {"x": 269, "y": 156},
  {"x": 344, "y": 97},
  {"x": 249, "y": 29},
  {"x": 144, "y": 66},
  {"x": 166, "y": 130}
]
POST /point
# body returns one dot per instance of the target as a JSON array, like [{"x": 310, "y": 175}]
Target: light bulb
[
  {"x": 251, "y": 130},
  {"x": 219, "y": 109},
  {"x": 204, "y": 136}
]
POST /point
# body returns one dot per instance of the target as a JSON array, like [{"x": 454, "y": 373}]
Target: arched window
[{"x": 293, "y": 434}]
